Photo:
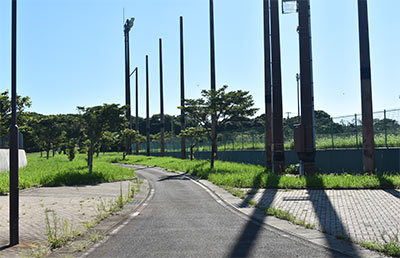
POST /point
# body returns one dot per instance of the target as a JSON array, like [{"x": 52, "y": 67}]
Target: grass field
[
  {"x": 250, "y": 176},
  {"x": 58, "y": 171}
]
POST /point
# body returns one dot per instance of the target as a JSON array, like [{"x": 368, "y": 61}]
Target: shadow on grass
[
  {"x": 327, "y": 216},
  {"x": 248, "y": 237}
]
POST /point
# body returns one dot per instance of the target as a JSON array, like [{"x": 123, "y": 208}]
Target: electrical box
[{"x": 299, "y": 138}]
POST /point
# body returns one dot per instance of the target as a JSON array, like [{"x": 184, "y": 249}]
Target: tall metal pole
[
  {"x": 183, "y": 139},
  {"x": 14, "y": 184},
  {"x": 162, "y": 120},
  {"x": 127, "y": 78},
  {"x": 137, "y": 107},
  {"x": 307, "y": 88},
  {"x": 366, "y": 93},
  {"x": 268, "y": 80},
  {"x": 213, "y": 83},
  {"x": 278, "y": 155},
  {"x": 147, "y": 109},
  {"x": 298, "y": 94},
  {"x": 127, "y": 27}
]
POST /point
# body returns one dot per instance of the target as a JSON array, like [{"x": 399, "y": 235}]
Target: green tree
[
  {"x": 107, "y": 139},
  {"x": 48, "y": 133},
  {"x": 97, "y": 120},
  {"x": 126, "y": 138},
  {"x": 226, "y": 106},
  {"x": 5, "y": 112},
  {"x": 194, "y": 135}
]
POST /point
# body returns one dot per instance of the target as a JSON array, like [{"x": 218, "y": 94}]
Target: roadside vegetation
[
  {"x": 59, "y": 171},
  {"x": 229, "y": 174}
]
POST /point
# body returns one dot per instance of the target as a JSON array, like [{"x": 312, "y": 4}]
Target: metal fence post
[
  {"x": 385, "y": 127},
  {"x": 356, "y": 125},
  {"x": 333, "y": 144},
  {"x": 242, "y": 141}
]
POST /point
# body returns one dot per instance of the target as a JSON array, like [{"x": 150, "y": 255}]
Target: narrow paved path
[{"x": 183, "y": 220}]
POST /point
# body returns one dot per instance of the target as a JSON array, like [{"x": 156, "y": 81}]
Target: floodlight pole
[
  {"x": 267, "y": 78},
  {"x": 182, "y": 60},
  {"x": 298, "y": 94},
  {"x": 214, "y": 144},
  {"x": 147, "y": 109},
  {"x": 14, "y": 184},
  {"x": 162, "y": 120},
  {"x": 366, "y": 93},
  {"x": 307, "y": 155},
  {"x": 136, "y": 71},
  {"x": 278, "y": 154},
  {"x": 127, "y": 27}
]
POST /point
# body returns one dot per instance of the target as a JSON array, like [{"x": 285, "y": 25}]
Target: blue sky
[{"x": 71, "y": 52}]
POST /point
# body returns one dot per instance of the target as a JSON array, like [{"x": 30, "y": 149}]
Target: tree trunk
[
  {"x": 213, "y": 151},
  {"x": 54, "y": 153},
  {"x": 90, "y": 159},
  {"x": 47, "y": 154},
  {"x": 191, "y": 152}
]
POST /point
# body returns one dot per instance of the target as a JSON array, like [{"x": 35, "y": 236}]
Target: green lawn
[
  {"x": 58, "y": 171},
  {"x": 250, "y": 176}
]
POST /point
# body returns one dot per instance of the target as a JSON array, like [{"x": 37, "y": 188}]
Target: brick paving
[
  {"x": 75, "y": 204},
  {"x": 362, "y": 215}
]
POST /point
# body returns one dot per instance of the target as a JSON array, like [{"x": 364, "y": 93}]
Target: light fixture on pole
[{"x": 289, "y": 6}]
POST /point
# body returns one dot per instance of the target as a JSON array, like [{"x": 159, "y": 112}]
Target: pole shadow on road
[
  {"x": 249, "y": 235},
  {"x": 174, "y": 177},
  {"x": 326, "y": 213}
]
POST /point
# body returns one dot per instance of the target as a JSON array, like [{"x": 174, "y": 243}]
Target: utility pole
[
  {"x": 278, "y": 154},
  {"x": 307, "y": 155},
  {"x": 137, "y": 107},
  {"x": 162, "y": 120},
  {"x": 366, "y": 92},
  {"x": 214, "y": 144},
  {"x": 147, "y": 109},
  {"x": 298, "y": 94},
  {"x": 182, "y": 59},
  {"x": 14, "y": 162},
  {"x": 268, "y": 79},
  {"x": 127, "y": 27}
]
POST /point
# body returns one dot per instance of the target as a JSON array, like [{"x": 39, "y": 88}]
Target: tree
[
  {"x": 95, "y": 121},
  {"x": 126, "y": 137},
  {"x": 194, "y": 135},
  {"x": 5, "y": 112},
  {"x": 107, "y": 139},
  {"x": 73, "y": 134},
  {"x": 48, "y": 133},
  {"x": 226, "y": 106}
]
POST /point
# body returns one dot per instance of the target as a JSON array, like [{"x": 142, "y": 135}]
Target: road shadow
[
  {"x": 326, "y": 213},
  {"x": 174, "y": 177},
  {"x": 245, "y": 242}
]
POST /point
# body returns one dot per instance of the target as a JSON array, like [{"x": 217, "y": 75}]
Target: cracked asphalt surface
[{"x": 183, "y": 220}]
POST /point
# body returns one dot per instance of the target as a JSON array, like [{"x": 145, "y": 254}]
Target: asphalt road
[{"x": 183, "y": 220}]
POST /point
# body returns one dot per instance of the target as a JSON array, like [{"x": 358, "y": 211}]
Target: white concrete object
[{"x": 5, "y": 159}]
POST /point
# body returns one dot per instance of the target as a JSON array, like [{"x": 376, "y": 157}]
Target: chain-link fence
[{"x": 330, "y": 133}]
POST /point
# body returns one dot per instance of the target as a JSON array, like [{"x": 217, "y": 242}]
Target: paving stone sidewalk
[
  {"x": 362, "y": 215},
  {"x": 75, "y": 204}
]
